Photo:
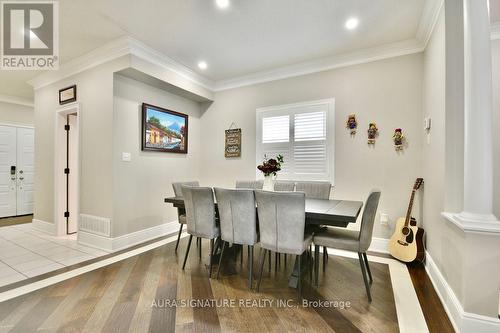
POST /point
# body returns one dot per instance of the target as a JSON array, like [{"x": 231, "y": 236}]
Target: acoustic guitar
[{"x": 407, "y": 242}]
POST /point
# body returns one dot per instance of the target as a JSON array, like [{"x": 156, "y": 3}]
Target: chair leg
[
  {"x": 241, "y": 256},
  {"x": 199, "y": 248},
  {"x": 299, "y": 281},
  {"x": 220, "y": 258},
  {"x": 211, "y": 258},
  {"x": 250, "y": 271},
  {"x": 363, "y": 271},
  {"x": 285, "y": 255},
  {"x": 261, "y": 264},
  {"x": 325, "y": 249},
  {"x": 187, "y": 251},
  {"x": 276, "y": 254},
  {"x": 368, "y": 267},
  {"x": 309, "y": 265},
  {"x": 316, "y": 265},
  {"x": 270, "y": 264},
  {"x": 325, "y": 258},
  {"x": 178, "y": 238}
]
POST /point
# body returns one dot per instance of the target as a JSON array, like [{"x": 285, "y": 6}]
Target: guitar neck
[{"x": 410, "y": 207}]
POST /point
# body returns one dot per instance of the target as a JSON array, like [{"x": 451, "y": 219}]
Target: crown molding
[
  {"x": 118, "y": 48},
  {"x": 16, "y": 100},
  {"x": 342, "y": 60},
  {"x": 130, "y": 46},
  {"x": 103, "y": 54},
  {"x": 144, "y": 51},
  {"x": 430, "y": 15},
  {"x": 495, "y": 31}
]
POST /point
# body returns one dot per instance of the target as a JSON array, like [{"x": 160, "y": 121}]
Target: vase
[{"x": 268, "y": 183}]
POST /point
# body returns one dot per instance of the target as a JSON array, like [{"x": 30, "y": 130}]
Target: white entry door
[
  {"x": 25, "y": 170},
  {"x": 7, "y": 173}
]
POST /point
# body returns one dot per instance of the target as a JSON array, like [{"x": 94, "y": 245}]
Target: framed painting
[
  {"x": 164, "y": 130},
  {"x": 67, "y": 95}
]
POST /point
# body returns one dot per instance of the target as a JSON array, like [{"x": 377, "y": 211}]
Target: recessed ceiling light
[
  {"x": 222, "y": 3},
  {"x": 351, "y": 23},
  {"x": 202, "y": 65}
]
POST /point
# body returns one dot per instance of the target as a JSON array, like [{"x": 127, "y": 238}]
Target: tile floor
[{"x": 26, "y": 253}]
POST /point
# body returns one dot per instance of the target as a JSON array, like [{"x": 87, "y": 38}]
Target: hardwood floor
[
  {"x": 135, "y": 295},
  {"x": 5, "y": 221},
  {"x": 435, "y": 316}
]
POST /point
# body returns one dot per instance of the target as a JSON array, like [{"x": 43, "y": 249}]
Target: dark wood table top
[{"x": 338, "y": 213}]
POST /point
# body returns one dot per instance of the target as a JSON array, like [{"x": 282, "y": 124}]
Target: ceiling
[{"x": 248, "y": 37}]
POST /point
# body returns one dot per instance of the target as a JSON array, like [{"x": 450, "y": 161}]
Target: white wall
[
  {"x": 482, "y": 252},
  {"x": 95, "y": 97},
  {"x": 16, "y": 114},
  {"x": 468, "y": 262},
  {"x": 141, "y": 185},
  {"x": 495, "y": 48},
  {"x": 388, "y": 92},
  {"x": 444, "y": 242}
]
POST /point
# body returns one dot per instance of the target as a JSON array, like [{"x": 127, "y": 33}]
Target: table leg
[
  {"x": 230, "y": 257},
  {"x": 293, "y": 280}
]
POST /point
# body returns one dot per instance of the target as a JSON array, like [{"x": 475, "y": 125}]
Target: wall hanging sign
[
  {"x": 352, "y": 124},
  {"x": 67, "y": 95},
  {"x": 372, "y": 133},
  {"x": 399, "y": 139},
  {"x": 164, "y": 130},
  {"x": 233, "y": 143}
]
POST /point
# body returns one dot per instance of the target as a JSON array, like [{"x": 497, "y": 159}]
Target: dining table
[{"x": 325, "y": 212}]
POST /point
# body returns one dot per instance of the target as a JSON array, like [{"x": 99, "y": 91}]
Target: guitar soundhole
[{"x": 405, "y": 231}]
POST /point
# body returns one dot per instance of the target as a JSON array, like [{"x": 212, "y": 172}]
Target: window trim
[{"x": 284, "y": 109}]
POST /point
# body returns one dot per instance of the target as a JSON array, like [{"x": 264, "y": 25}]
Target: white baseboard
[
  {"x": 122, "y": 242},
  {"x": 380, "y": 245},
  {"x": 461, "y": 320},
  {"x": 46, "y": 227}
]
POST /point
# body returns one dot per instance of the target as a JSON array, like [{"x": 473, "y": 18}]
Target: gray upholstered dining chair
[
  {"x": 314, "y": 190},
  {"x": 200, "y": 217},
  {"x": 181, "y": 213},
  {"x": 284, "y": 186},
  {"x": 351, "y": 240},
  {"x": 282, "y": 221},
  {"x": 250, "y": 184},
  {"x": 238, "y": 222}
]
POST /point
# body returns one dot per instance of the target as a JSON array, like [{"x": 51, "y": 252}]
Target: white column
[{"x": 478, "y": 148}]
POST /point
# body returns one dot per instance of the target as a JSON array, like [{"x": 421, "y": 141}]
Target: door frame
[{"x": 60, "y": 164}]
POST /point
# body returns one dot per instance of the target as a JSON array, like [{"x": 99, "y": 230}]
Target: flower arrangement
[{"x": 271, "y": 166}]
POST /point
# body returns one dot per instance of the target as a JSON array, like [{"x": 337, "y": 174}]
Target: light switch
[
  {"x": 126, "y": 157},
  {"x": 427, "y": 123},
  {"x": 384, "y": 218}
]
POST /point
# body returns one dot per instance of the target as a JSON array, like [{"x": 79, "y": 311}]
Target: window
[{"x": 303, "y": 134}]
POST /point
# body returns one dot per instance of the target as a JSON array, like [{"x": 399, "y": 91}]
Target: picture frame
[
  {"x": 232, "y": 147},
  {"x": 67, "y": 95},
  {"x": 164, "y": 130}
]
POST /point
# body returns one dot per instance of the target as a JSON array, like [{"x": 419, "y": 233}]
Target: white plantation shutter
[
  {"x": 310, "y": 126},
  {"x": 302, "y": 134},
  {"x": 309, "y": 148},
  {"x": 276, "y": 129}
]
